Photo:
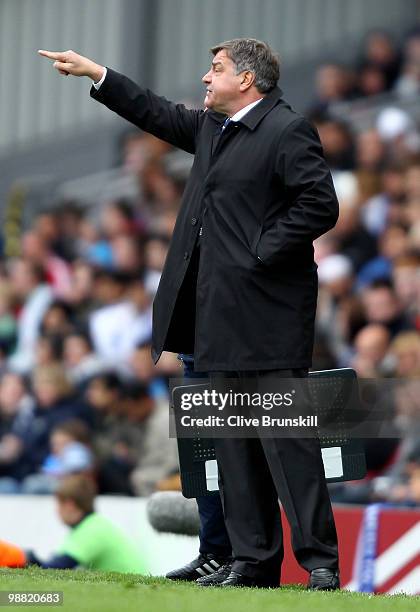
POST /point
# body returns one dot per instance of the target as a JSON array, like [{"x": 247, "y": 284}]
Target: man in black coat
[{"x": 239, "y": 286}]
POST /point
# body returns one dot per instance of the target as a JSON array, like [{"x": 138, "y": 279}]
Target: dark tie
[
  {"x": 219, "y": 133},
  {"x": 225, "y": 124}
]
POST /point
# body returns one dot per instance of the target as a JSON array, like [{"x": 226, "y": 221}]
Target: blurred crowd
[
  {"x": 369, "y": 264},
  {"x": 383, "y": 65},
  {"x": 79, "y": 392}
]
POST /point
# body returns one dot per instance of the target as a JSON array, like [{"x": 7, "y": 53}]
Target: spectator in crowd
[
  {"x": 66, "y": 223},
  {"x": 155, "y": 251},
  {"x": 393, "y": 243},
  {"x": 69, "y": 454},
  {"x": 15, "y": 400},
  {"x": 127, "y": 254},
  {"x": 8, "y": 325},
  {"x": 131, "y": 429},
  {"x": 80, "y": 359},
  {"x": 55, "y": 402},
  {"x": 405, "y": 351},
  {"x": 411, "y": 185},
  {"x": 144, "y": 370},
  {"x": 56, "y": 270},
  {"x": 48, "y": 350},
  {"x": 124, "y": 319},
  {"x": 119, "y": 412},
  {"x": 47, "y": 227},
  {"x": 382, "y": 306},
  {"x": 408, "y": 83},
  {"x": 372, "y": 80},
  {"x": 352, "y": 238},
  {"x": 371, "y": 347},
  {"x": 118, "y": 219},
  {"x": 386, "y": 206},
  {"x": 30, "y": 287},
  {"x": 398, "y": 483},
  {"x": 336, "y": 279},
  {"x": 57, "y": 320},
  {"x": 125, "y": 438},
  {"x": 398, "y": 132},
  {"x": 104, "y": 393},
  {"x": 158, "y": 459},
  {"x": 163, "y": 223},
  {"x": 406, "y": 281},
  {"x": 408, "y": 494},
  {"x": 16, "y": 408},
  {"x": 337, "y": 141},
  {"x": 82, "y": 297},
  {"x": 93, "y": 247},
  {"x": 370, "y": 155},
  {"x": 333, "y": 83},
  {"x": 160, "y": 190},
  {"x": 380, "y": 53}
]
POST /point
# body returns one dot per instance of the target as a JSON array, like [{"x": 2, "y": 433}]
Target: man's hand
[{"x": 70, "y": 62}]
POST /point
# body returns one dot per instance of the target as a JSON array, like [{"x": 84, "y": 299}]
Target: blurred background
[{"x": 88, "y": 204}]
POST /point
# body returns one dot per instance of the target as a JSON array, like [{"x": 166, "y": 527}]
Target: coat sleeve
[
  {"x": 311, "y": 203},
  {"x": 149, "y": 112}
]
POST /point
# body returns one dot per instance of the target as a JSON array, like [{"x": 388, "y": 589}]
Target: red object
[
  {"x": 397, "y": 565},
  {"x": 11, "y": 555}
]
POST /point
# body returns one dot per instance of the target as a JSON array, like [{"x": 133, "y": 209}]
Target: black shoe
[
  {"x": 239, "y": 580},
  {"x": 204, "y": 565},
  {"x": 324, "y": 579},
  {"x": 218, "y": 577}
]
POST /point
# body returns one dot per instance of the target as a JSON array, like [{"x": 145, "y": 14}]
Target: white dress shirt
[
  {"x": 241, "y": 113},
  {"x": 99, "y": 83}
]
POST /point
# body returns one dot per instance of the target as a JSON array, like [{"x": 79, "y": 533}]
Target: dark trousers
[{"x": 254, "y": 473}]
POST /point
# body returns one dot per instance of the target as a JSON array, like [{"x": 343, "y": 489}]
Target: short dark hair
[
  {"x": 82, "y": 333},
  {"x": 110, "y": 380},
  {"x": 80, "y": 489},
  {"x": 125, "y": 207},
  {"x": 35, "y": 269},
  {"x": 55, "y": 342},
  {"x": 76, "y": 429},
  {"x": 381, "y": 283},
  {"x": 256, "y": 56}
]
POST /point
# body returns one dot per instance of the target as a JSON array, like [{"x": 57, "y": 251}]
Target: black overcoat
[{"x": 262, "y": 193}]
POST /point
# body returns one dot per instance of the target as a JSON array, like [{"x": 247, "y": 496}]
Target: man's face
[
  {"x": 223, "y": 84},
  {"x": 380, "y": 305}
]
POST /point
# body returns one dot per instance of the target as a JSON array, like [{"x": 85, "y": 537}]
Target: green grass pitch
[{"x": 103, "y": 592}]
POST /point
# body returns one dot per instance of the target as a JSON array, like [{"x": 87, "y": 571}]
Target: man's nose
[{"x": 206, "y": 78}]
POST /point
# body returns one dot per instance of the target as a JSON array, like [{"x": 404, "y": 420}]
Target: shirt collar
[{"x": 241, "y": 113}]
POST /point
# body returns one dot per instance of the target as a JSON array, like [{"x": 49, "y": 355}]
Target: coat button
[
  {"x": 186, "y": 255},
  {"x": 193, "y": 221}
]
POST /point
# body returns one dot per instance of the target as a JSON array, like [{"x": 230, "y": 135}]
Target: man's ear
[{"x": 247, "y": 80}]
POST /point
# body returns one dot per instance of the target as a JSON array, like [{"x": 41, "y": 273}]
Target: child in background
[{"x": 93, "y": 542}]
